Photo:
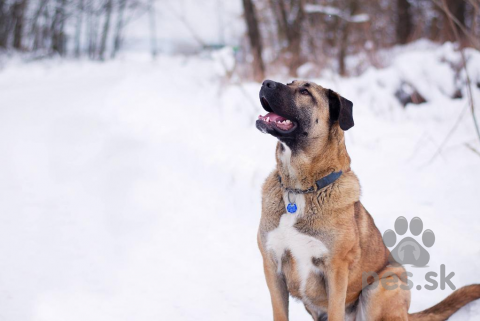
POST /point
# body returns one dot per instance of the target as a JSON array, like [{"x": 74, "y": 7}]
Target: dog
[{"x": 316, "y": 238}]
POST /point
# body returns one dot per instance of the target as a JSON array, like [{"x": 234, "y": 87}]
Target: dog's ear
[{"x": 340, "y": 109}]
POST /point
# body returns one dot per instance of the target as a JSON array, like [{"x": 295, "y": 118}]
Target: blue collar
[{"x": 321, "y": 183}]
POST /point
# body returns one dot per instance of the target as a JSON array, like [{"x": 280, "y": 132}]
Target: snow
[
  {"x": 313, "y": 8},
  {"x": 130, "y": 190},
  {"x": 333, "y": 11}
]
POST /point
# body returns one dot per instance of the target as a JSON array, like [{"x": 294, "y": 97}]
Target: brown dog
[{"x": 321, "y": 250}]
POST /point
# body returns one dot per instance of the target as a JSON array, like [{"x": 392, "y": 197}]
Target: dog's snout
[{"x": 269, "y": 84}]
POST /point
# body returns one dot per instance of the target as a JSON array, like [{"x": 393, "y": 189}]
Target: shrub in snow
[{"x": 407, "y": 94}]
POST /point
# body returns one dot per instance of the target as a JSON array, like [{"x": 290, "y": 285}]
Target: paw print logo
[{"x": 408, "y": 250}]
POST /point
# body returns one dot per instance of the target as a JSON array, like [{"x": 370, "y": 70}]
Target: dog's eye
[{"x": 304, "y": 92}]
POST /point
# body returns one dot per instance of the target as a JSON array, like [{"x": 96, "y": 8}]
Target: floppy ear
[{"x": 340, "y": 109}]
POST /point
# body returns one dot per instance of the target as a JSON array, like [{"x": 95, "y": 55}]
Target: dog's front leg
[
  {"x": 278, "y": 290},
  {"x": 337, "y": 291}
]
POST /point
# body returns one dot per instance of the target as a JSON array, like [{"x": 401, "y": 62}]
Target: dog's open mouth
[
  {"x": 274, "y": 120},
  {"x": 278, "y": 121}
]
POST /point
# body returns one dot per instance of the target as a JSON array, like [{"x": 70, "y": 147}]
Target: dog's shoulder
[
  {"x": 349, "y": 189},
  {"x": 342, "y": 194}
]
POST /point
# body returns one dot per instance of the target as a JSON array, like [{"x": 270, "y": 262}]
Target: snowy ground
[{"x": 130, "y": 190}]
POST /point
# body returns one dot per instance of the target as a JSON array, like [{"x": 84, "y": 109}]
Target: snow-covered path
[{"x": 130, "y": 190}]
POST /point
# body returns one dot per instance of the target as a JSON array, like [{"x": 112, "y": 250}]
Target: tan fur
[{"x": 336, "y": 217}]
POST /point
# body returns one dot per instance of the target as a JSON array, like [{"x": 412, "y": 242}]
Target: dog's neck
[{"x": 302, "y": 168}]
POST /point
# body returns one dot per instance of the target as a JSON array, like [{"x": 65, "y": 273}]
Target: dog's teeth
[{"x": 287, "y": 121}]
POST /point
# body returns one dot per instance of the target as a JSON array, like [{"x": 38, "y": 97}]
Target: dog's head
[{"x": 302, "y": 111}]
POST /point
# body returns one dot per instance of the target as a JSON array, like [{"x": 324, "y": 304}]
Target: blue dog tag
[{"x": 292, "y": 208}]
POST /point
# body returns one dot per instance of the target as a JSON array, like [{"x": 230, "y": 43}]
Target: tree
[
  {"x": 255, "y": 39},
  {"x": 4, "y": 22},
  {"x": 18, "y": 15},
  {"x": 58, "y": 24},
  {"x": 345, "y": 30},
  {"x": 106, "y": 27},
  {"x": 290, "y": 30},
  {"x": 403, "y": 24},
  {"x": 119, "y": 27},
  {"x": 457, "y": 10},
  {"x": 78, "y": 28}
]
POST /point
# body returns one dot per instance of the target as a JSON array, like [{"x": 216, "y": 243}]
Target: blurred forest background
[
  {"x": 297, "y": 31},
  {"x": 278, "y": 33}
]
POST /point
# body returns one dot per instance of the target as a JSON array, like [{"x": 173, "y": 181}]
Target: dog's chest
[{"x": 304, "y": 249}]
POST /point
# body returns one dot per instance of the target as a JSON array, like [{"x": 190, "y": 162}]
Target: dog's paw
[{"x": 408, "y": 250}]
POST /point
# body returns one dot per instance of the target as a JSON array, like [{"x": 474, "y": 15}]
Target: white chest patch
[
  {"x": 286, "y": 160},
  {"x": 301, "y": 246}
]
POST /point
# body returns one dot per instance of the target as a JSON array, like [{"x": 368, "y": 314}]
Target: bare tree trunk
[
  {"x": 106, "y": 27},
  {"x": 4, "y": 22},
  {"x": 45, "y": 30},
  {"x": 292, "y": 29},
  {"x": 36, "y": 31},
  {"x": 344, "y": 37},
  {"x": 58, "y": 24},
  {"x": 255, "y": 39},
  {"x": 18, "y": 13},
  {"x": 473, "y": 17},
  {"x": 434, "y": 29},
  {"x": 281, "y": 27},
  {"x": 118, "y": 29},
  {"x": 296, "y": 39},
  {"x": 78, "y": 28},
  {"x": 342, "y": 51},
  {"x": 284, "y": 20},
  {"x": 457, "y": 10},
  {"x": 92, "y": 30},
  {"x": 404, "y": 21}
]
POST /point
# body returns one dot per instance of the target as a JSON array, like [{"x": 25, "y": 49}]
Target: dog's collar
[{"x": 321, "y": 183}]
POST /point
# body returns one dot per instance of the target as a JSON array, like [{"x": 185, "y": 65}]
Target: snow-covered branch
[{"x": 332, "y": 11}]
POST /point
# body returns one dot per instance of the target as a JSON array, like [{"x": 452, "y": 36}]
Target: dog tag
[{"x": 292, "y": 208}]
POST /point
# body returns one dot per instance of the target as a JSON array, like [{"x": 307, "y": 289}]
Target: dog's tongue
[
  {"x": 277, "y": 121},
  {"x": 273, "y": 117}
]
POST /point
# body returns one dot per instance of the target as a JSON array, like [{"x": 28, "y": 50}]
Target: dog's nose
[{"x": 269, "y": 84}]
